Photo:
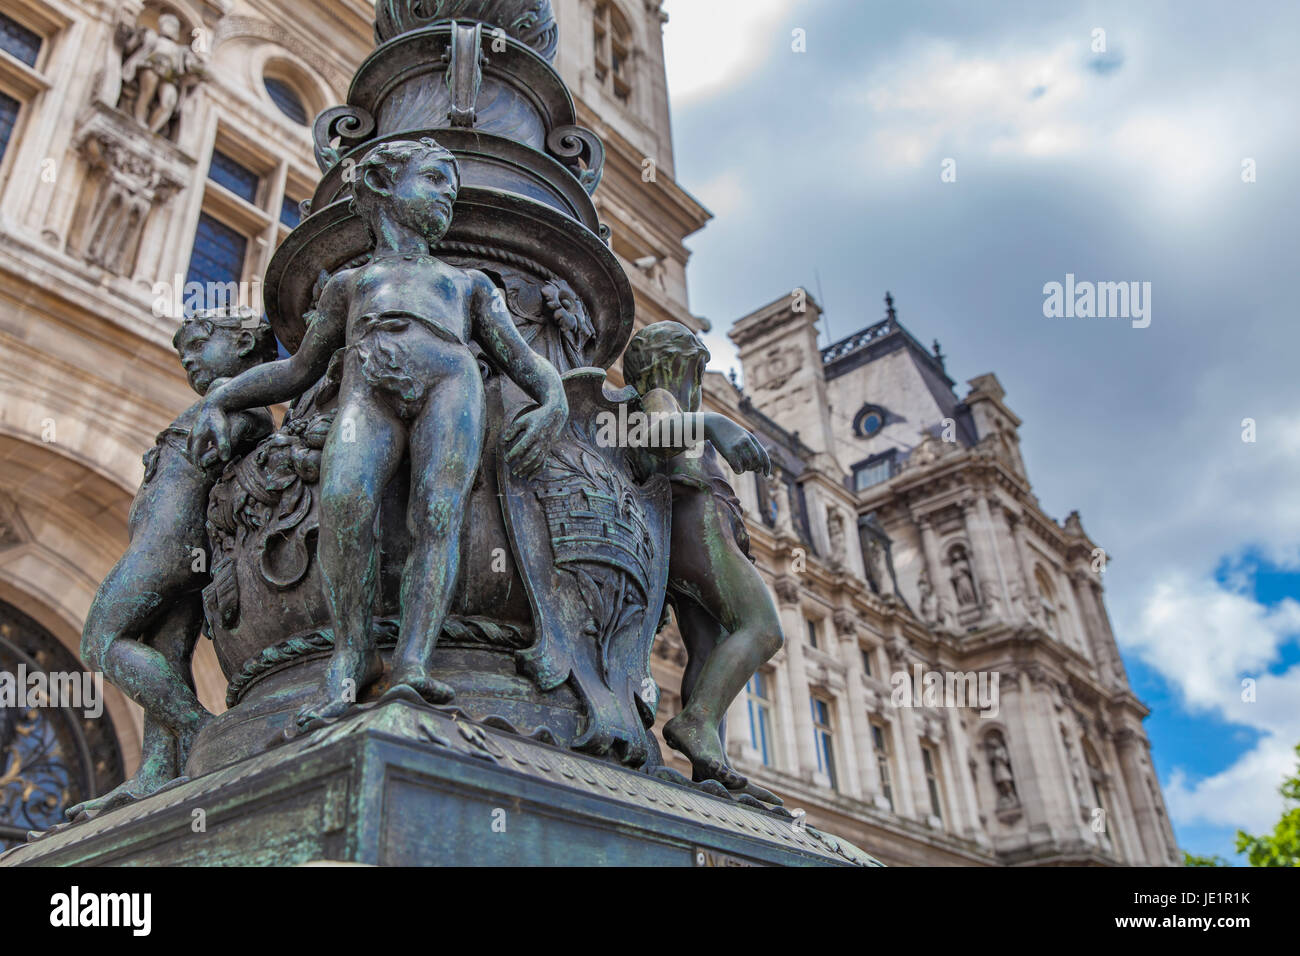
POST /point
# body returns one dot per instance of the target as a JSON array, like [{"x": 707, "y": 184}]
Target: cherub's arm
[
  {"x": 735, "y": 443},
  {"x": 272, "y": 382},
  {"x": 148, "y": 40},
  {"x": 530, "y": 434}
]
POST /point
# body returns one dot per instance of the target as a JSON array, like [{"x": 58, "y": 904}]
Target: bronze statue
[
  {"x": 726, "y": 616},
  {"x": 148, "y": 612},
  {"x": 410, "y": 383}
]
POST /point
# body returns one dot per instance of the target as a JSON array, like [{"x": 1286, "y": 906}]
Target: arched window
[
  {"x": 612, "y": 39},
  {"x": 1047, "y": 601},
  {"x": 52, "y": 755}
]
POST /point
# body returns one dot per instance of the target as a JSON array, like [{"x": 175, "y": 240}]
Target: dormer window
[{"x": 612, "y": 39}]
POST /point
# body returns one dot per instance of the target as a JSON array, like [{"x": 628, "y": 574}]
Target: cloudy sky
[{"x": 1122, "y": 164}]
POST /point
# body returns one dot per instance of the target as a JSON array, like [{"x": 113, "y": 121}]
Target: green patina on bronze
[{"x": 445, "y": 515}]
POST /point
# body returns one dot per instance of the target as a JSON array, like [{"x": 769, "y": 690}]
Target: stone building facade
[{"x": 152, "y": 147}]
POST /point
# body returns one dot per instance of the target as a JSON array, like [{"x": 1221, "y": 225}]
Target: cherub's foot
[
  {"x": 348, "y": 675},
  {"x": 699, "y": 741},
  {"x": 148, "y": 780},
  {"x": 418, "y": 690}
]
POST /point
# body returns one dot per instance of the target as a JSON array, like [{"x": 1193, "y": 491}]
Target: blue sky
[{"x": 1122, "y": 164}]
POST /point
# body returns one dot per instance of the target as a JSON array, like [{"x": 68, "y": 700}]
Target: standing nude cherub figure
[
  {"x": 148, "y": 613},
  {"x": 726, "y": 616},
  {"x": 162, "y": 65},
  {"x": 409, "y": 383}
]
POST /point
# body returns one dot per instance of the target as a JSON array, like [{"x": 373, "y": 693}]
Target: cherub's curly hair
[
  {"x": 657, "y": 355},
  {"x": 391, "y": 158},
  {"x": 238, "y": 319}
]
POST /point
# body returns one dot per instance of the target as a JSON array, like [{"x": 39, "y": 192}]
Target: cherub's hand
[
  {"x": 530, "y": 437},
  {"x": 210, "y": 436},
  {"x": 738, "y": 446}
]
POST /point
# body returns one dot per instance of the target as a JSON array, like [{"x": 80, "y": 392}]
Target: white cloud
[
  {"x": 1204, "y": 638},
  {"x": 711, "y": 45}
]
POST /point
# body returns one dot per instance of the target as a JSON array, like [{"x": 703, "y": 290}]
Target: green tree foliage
[
  {"x": 1282, "y": 846},
  {"x": 1191, "y": 859}
]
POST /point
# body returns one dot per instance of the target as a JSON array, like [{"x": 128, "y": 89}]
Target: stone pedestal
[{"x": 401, "y": 785}]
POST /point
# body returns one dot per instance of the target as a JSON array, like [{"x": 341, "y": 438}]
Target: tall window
[
  {"x": 22, "y": 52},
  {"x": 930, "y": 761},
  {"x": 612, "y": 38},
  {"x": 9, "y": 108},
  {"x": 19, "y": 42},
  {"x": 866, "y": 662},
  {"x": 824, "y": 738},
  {"x": 1047, "y": 600},
  {"x": 881, "y": 741},
  {"x": 813, "y": 633},
  {"x": 218, "y": 258},
  {"x": 250, "y": 204},
  {"x": 759, "y": 701}
]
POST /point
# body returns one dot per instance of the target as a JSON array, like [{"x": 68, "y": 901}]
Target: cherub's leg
[
  {"x": 146, "y": 89},
  {"x": 361, "y": 455},
  {"x": 125, "y": 608},
  {"x": 446, "y": 446},
  {"x": 732, "y": 593},
  {"x": 168, "y": 97}
]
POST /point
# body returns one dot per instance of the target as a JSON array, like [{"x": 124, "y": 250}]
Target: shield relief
[{"x": 590, "y": 538}]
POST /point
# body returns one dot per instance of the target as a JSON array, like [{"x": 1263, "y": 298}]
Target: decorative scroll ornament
[
  {"x": 337, "y": 130},
  {"x": 581, "y": 151}
]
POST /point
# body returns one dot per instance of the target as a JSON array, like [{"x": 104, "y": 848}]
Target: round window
[{"x": 287, "y": 99}]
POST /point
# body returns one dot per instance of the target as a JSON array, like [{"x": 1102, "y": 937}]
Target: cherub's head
[
  {"x": 670, "y": 356},
  {"x": 414, "y": 183},
  {"x": 222, "y": 343},
  {"x": 169, "y": 25}
]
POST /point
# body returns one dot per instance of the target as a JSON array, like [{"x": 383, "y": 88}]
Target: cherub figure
[
  {"x": 148, "y": 612},
  {"x": 160, "y": 67},
  {"x": 410, "y": 383},
  {"x": 726, "y": 616}
]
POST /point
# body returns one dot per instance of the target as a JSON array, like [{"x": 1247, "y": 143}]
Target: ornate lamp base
[{"x": 401, "y": 785}]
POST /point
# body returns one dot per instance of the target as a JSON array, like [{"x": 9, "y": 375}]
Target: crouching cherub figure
[
  {"x": 726, "y": 616},
  {"x": 410, "y": 384},
  {"x": 148, "y": 613}
]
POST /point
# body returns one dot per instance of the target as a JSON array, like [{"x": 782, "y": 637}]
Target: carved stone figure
[
  {"x": 878, "y": 556},
  {"x": 159, "y": 72},
  {"x": 132, "y": 184},
  {"x": 410, "y": 383},
  {"x": 779, "y": 504},
  {"x": 835, "y": 532},
  {"x": 1004, "y": 779},
  {"x": 148, "y": 612},
  {"x": 928, "y": 602},
  {"x": 963, "y": 580},
  {"x": 724, "y": 611}
]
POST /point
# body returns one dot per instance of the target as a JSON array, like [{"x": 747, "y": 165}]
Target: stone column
[
  {"x": 1144, "y": 814},
  {"x": 959, "y": 747},
  {"x": 943, "y": 592},
  {"x": 1033, "y": 754},
  {"x": 787, "y": 592},
  {"x": 1024, "y": 561},
  {"x": 907, "y": 742},
  {"x": 986, "y": 519},
  {"x": 859, "y": 727}
]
